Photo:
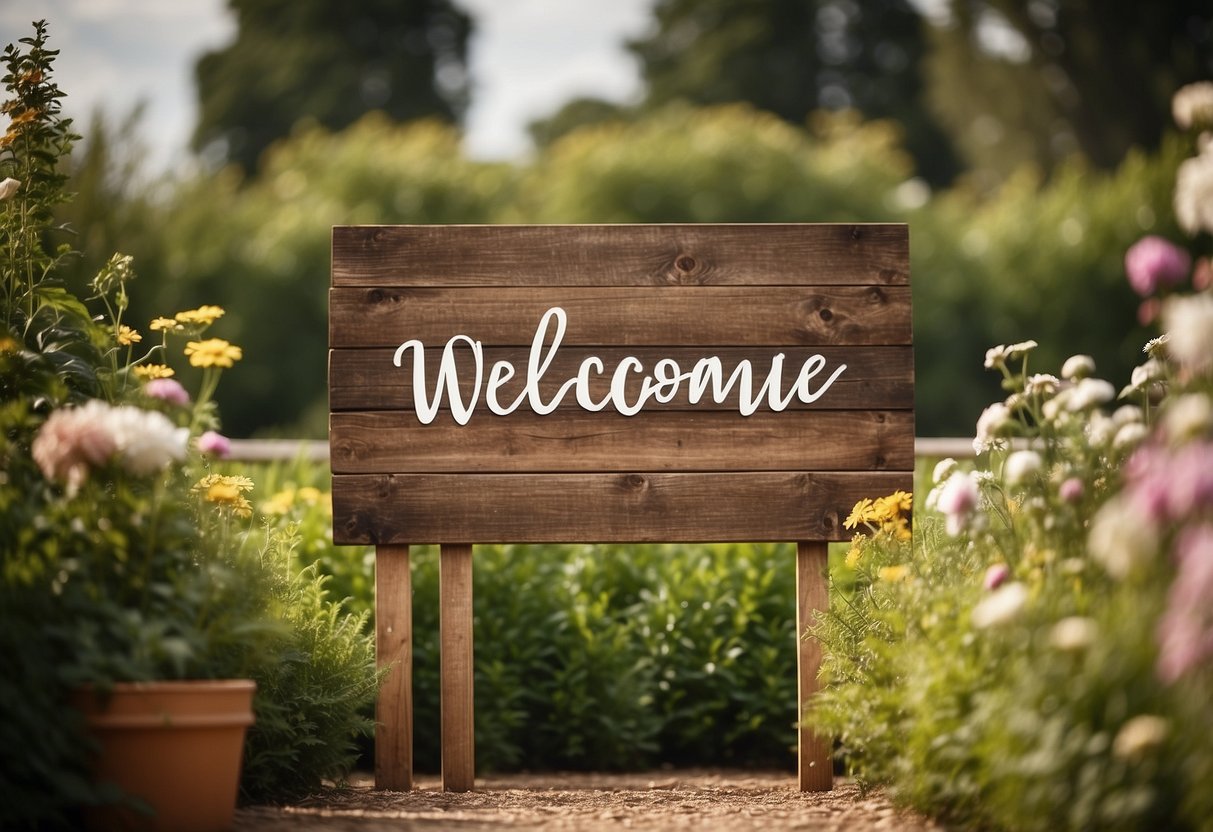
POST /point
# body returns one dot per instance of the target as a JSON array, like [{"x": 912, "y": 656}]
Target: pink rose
[
  {"x": 1152, "y": 263},
  {"x": 167, "y": 390},
  {"x": 215, "y": 444}
]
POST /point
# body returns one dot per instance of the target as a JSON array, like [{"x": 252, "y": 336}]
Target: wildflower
[
  {"x": 1189, "y": 325},
  {"x": 860, "y": 513},
  {"x": 893, "y": 574},
  {"x": 998, "y": 357},
  {"x": 855, "y": 553},
  {"x": 163, "y": 325},
  {"x": 213, "y": 352},
  {"x": 887, "y": 509},
  {"x": 1192, "y": 105},
  {"x": 1130, "y": 436},
  {"x": 1185, "y": 631},
  {"x": 283, "y": 501},
  {"x": 1020, "y": 466},
  {"x": 1153, "y": 263},
  {"x": 309, "y": 495},
  {"x": 1077, "y": 367},
  {"x": 1090, "y": 392},
  {"x": 128, "y": 336},
  {"x": 203, "y": 315},
  {"x": 1121, "y": 539},
  {"x": 1194, "y": 193},
  {"x": 1188, "y": 416},
  {"x": 1071, "y": 490},
  {"x": 1041, "y": 384},
  {"x": 1156, "y": 347},
  {"x": 226, "y": 492},
  {"x": 993, "y": 423},
  {"x": 242, "y": 484},
  {"x": 1002, "y": 606},
  {"x": 167, "y": 390},
  {"x": 1127, "y": 414},
  {"x": 957, "y": 501},
  {"x": 943, "y": 470},
  {"x": 1140, "y": 735},
  {"x": 153, "y": 371},
  {"x": 996, "y": 576},
  {"x": 215, "y": 444},
  {"x": 8, "y": 188},
  {"x": 1073, "y": 634}
]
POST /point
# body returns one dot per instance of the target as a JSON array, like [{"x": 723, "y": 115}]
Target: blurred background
[{"x": 1027, "y": 143}]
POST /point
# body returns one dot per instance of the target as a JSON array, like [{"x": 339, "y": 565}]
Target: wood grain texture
[
  {"x": 455, "y": 638},
  {"x": 619, "y": 255},
  {"x": 571, "y": 441},
  {"x": 601, "y": 508},
  {"x": 876, "y": 378},
  {"x": 394, "y": 649},
  {"x": 815, "y": 757},
  {"x": 509, "y": 316}
]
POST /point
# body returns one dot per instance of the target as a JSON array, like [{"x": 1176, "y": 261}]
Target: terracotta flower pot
[{"x": 176, "y": 746}]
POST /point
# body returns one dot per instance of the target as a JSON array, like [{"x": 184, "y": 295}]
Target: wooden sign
[{"x": 610, "y": 383}]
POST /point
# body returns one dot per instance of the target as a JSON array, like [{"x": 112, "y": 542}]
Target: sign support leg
[
  {"x": 394, "y": 649},
  {"x": 455, "y": 625},
  {"x": 812, "y": 594}
]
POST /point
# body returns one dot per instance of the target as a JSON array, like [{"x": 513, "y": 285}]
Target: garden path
[{"x": 662, "y": 800}]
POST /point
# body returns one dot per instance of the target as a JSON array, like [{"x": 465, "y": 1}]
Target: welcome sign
[{"x": 609, "y": 383}]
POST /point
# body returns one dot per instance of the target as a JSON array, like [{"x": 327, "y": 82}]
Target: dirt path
[{"x": 669, "y": 800}]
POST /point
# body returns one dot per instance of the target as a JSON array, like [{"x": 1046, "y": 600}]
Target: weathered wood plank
[
  {"x": 394, "y": 649},
  {"x": 815, "y": 754},
  {"x": 457, "y": 683},
  {"x": 574, "y": 440},
  {"x": 619, "y": 255},
  {"x": 680, "y": 316},
  {"x": 601, "y": 508},
  {"x": 879, "y": 378}
]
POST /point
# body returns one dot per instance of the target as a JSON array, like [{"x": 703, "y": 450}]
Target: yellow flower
[
  {"x": 241, "y": 484},
  {"x": 892, "y": 574},
  {"x": 280, "y": 503},
  {"x": 854, "y": 555},
  {"x": 163, "y": 324},
  {"x": 128, "y": 336},
  {"x": 147, "y": 372},
  {"x": 309, "y": 495},
  {"x": 222, "y": 492},
  {"x": 226, "y": 492},
  {"x": 204, "y": 315},
  {"x": 9, "y": 345},
  {"x": 860, "y": 514},
  {"x": 213, "y": 352}
]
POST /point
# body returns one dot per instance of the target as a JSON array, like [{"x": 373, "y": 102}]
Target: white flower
[
  {"x": 1130, "y": 435},
  {"x": 996, "y": 357},
  {"x": 146, "y": 440},
  {"x": 1020, "y": 466},
  {"x": 1189, "y": 324},
  {"x": 1192, "y": 105},
  {"x": 943, "y": 470},
  {"x": 958, "y": 499},
  {"x": 1078, "y": 366},
  {"x": 1073, "y": 634},
  {"x": 1140, "y": 734},
  {"x": 993, "y": 420},
  {"x": 1042, "y": 384},
  {"x": 1090, "y": 392},
  {"x": 1101, "y": 430},
  {"x": 1188, "y": 416},
  {"x": 1127, "y": 413},
  {"x": 9, "y": 187},
  {"x": 1120, "y": 539},
  {"x": 1002, "y": 606},
  {"x": 1156, "y": 347},
  {"x": 1194, "y": 193}
]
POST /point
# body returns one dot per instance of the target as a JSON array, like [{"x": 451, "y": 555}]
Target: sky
[{"x": 527, "y": 58}]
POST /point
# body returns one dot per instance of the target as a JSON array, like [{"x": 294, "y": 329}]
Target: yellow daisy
[
  {"x": 128, "y": 336},
  {"x": 213, "y": 352},
  {"x": 147, "y": 372},
  {"x": 204, "y": 315},
  {"x": 163, "y": 324}
]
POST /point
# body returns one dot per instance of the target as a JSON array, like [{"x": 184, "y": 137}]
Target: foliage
[
  {"x": 1068, "y": 78},
  {"x": 124, "y": 555},
  {"x": 328, "y": 64},
  {"x": 1039, "y": 657}
]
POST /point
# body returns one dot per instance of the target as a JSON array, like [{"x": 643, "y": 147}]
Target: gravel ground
[{"x": 665, "y": 800}]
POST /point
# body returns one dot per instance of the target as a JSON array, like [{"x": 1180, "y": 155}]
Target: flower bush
[
  {"x": 1041, "y": 655},
  {"x": 126, "y": 556}
]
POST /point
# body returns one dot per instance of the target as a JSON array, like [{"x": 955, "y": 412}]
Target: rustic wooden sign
[{"x": 607, "y": 383}]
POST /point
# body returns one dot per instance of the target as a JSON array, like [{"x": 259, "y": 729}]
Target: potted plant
[{"x": 124, "y": 575}]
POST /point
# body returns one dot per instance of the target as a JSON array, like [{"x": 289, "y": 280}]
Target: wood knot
[
  {"x": 856, "y": 232},
  {"x": 877, "y": 295},
  {"x": 685, "y": 263},
  {"x": 826, "y": 314},
  {"x": 635, "y": 482}
]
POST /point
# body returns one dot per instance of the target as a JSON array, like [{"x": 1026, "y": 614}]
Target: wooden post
[
  {"x": 394, "y": 648},
  {"x": 455, "y": 635},
  {"x": 812, "y": 594}
]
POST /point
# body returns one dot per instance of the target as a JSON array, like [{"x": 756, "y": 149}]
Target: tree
[
  {"x": 574, "y": 114},
  {"x": 791, "y": 57},
  {"x": 328, "y": 63},
  {"x": 1037, "y": 80}
]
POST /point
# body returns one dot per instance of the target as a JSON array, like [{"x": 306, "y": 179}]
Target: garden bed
[{"x": 667, "y": 799}]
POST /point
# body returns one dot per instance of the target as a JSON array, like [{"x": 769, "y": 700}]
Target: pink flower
[
  {"x": 957, "y": 500},
  {"x": 996, "y": 575},
  {"x": 72, "y": 441},
  {"x": 215, "y": 444},
  {"x": 1071, "y": 490},
  {"x": 1185, "y": 631},
  {"x": 167, "y": 390},
  {"x": 1152, "y": 263}
]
